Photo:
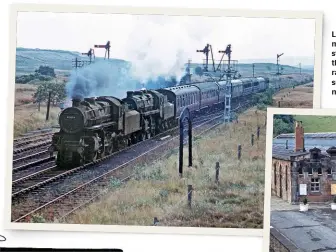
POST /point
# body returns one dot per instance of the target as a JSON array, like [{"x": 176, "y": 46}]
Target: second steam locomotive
[{"x": 94, "y": 127}]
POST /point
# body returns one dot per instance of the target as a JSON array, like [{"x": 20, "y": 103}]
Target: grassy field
[
  {"x": 314, "y": 124},
  {"x": 157, "y": 191},
  {"x": 26, "y": 114},
  {"x": 300, "y": 97}
]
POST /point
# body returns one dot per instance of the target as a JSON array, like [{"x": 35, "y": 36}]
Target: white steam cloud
[{"x": 157, "y": 49}]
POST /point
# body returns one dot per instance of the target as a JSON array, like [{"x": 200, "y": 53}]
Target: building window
[
  {"x": 315, "y": 185},
  {"x": 329, "y": 171},
  {"x": 310, "y": 171},
  {"x": 300, "y": 171},
  {"x": 319, "y": 171}
]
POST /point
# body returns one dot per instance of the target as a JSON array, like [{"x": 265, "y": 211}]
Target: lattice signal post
[
  {"x": 228, "y": 73},
  {"x": 106, "y": 47},
  {"x": 278, "y": 66},
  {"x": 90, "y": 53},
  {"x": 227, "y": 70},
  {"x": 207, "y": 49}
]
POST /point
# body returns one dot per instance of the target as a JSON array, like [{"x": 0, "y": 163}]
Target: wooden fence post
[
  {"x": 217, "y": 172},
  {"x": 189, "y": 195},
  {"x": 258, "y": 132},
  {"x": 155, "y": 221},
  {"x": 279, "y": 104},
  {"x": 239, "y": 151},
  {"x": 252, "y": 139}
]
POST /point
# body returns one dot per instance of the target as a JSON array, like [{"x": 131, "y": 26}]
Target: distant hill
[
  {"x": 260, "y": 69},
  {"x": 306, "y": 62},
  {"x": 28, "y": 59}
]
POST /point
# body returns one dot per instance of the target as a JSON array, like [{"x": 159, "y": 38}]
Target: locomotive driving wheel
[{"x": 142, "y": 136}]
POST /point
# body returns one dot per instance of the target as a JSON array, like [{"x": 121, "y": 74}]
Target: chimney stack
[
  {"x": 299, "y": 137},
  {"x": 75, "y": 102}
]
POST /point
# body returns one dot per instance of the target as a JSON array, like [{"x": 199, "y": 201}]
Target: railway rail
[
  {"x": 31, "y": 140},
  {"x": 122, "y": 159},
  {"x": 39, "y": 176},
  {"x": 38, "y": 155}
]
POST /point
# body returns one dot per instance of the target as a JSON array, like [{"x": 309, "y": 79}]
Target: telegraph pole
[
  {"x": 253, "y": 69},
  {"x": 48, "y": 106}
]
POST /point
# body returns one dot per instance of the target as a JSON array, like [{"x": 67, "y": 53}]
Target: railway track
[
  {"x": 44, "y": 171},
  {"x": 31, "y": 140},
  {"x": 31, "y": 158},
  {"x": 91, "y": 173},
  {"x": 30, "y": 147}
]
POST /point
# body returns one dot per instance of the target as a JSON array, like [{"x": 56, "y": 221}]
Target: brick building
[{"x": 297, "y": 173}]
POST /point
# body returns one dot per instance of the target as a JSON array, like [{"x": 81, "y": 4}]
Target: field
[
  {"x": 157, "y": 191},
  {"x": 300, "y": 97},
  {"x": 26, "y": 114},
  {"x": 314, "y": 124}
]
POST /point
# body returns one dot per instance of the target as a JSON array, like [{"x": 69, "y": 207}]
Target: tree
[
  {"x": 58, "y": 92},
  {"x": 282, "y": 124}
]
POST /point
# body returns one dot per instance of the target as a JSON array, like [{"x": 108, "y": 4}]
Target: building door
[{"x": 280, "y": 173}]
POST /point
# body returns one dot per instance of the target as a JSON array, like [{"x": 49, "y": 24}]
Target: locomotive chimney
[
  {"x": 76, "y": 102},
  {"x": 129, "y": 94},
  {"x": 299, "y": 137}
]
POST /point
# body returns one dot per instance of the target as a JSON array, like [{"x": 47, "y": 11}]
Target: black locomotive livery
[{"x": 98, "y": 126}]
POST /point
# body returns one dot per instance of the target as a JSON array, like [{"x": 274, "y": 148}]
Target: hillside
[{"x": 27, "y": 60}]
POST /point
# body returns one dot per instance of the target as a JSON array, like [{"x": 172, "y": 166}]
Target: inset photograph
[
  {"x": 158, "y": 122},
  {"x": 303, "y": 180}
]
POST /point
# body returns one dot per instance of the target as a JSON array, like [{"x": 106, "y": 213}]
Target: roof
[
  {"x": 205, "y": 86},
  {"x": 322, "y": 141},
  {"x": 311, "y": 135},
  {"x": 280, "y": 152},
  {"x": 181, "y": 90}
]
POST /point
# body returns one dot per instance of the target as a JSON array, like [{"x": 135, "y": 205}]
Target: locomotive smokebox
[{"x": 76, "y": 102}]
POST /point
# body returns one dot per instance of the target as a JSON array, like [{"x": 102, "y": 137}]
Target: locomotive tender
[{"x": 98, "y": 126}]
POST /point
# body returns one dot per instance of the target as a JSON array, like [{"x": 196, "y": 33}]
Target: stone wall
[{"x": 278, "y": 243}]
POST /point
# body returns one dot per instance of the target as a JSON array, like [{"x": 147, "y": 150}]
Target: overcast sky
[{"x": 166, "y": 37}]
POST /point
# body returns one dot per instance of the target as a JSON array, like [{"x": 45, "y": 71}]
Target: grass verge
[{"x": 156, "y": 190}]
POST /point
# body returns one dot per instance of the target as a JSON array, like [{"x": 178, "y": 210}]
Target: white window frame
[{"x": 314, "y": 183}]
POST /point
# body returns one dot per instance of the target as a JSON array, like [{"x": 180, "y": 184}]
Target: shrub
[{"x": 305, "y": 201}]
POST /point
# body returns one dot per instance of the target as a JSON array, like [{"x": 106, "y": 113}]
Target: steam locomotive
[{"x": 98, "y": 126}]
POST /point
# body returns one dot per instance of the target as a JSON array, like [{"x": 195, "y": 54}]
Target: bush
[
  {"x": 305, "y": 201},
  {"x": 45, "y": 70}
]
